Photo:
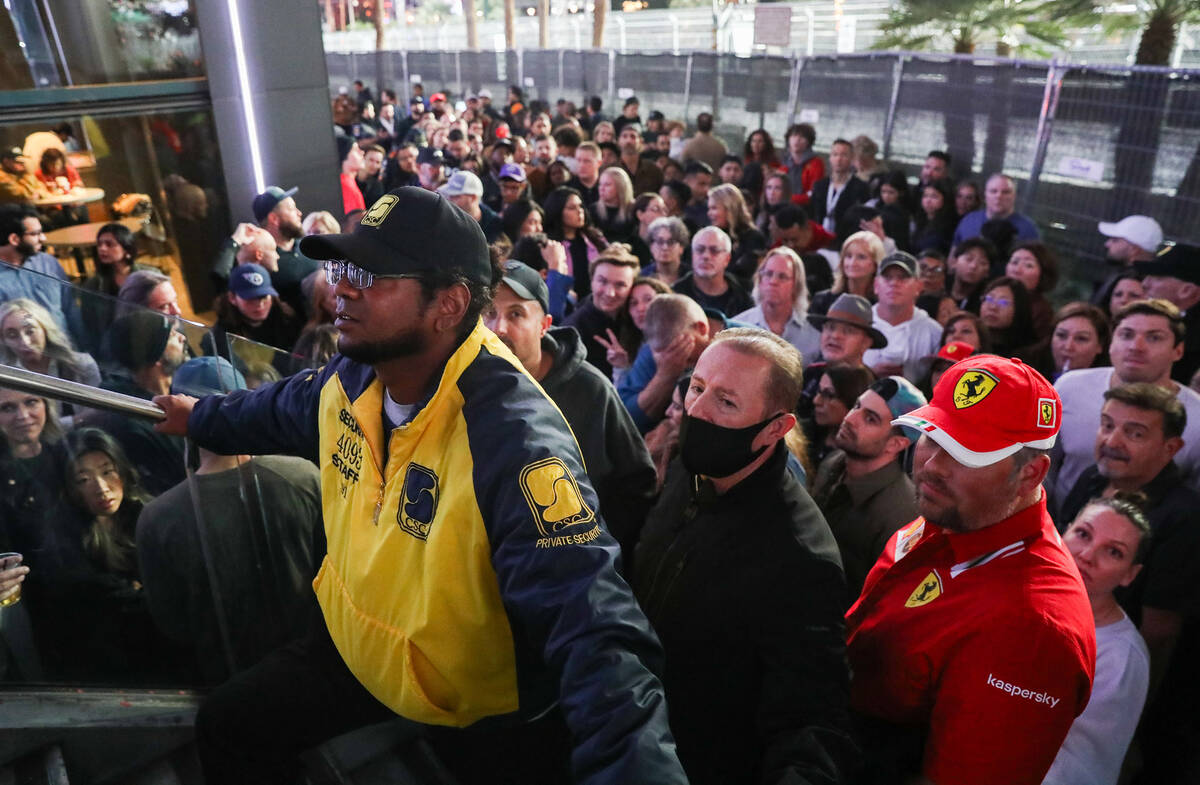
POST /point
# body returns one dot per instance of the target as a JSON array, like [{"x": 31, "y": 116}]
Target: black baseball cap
[
  {"x": 430, "y": 155},
  {"x": 527, "y": 283},
  {"x": 11, "y": 152},
  {"x": 409, "y": 230},
  {"x": 265, "y": 202},
  {"x": 1178, "y": 261},
  {"x": 904, "y": 261}
]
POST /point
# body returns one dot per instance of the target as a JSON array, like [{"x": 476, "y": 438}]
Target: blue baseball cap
[
  {"x": 206, "y": 376},
  {"x": 251, "y": 281}
]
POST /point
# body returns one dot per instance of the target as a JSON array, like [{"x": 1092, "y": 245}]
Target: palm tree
[
  {"x": 923, "y": 24},
  {"x": 1158, "y": 20},
  {"x": 468, "y": 9},
  {"x": 1142, "y": 106},
  {"x": 600, "y": 9},
  {"x": 965, "y": 25}
]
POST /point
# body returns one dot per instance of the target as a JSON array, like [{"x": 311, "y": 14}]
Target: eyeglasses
[
  {"x": 336, "y": 269},
  {"x": 700, "y": 250},
  {"x": 828, "y": 393},
  {"x": 771, "y": 275},
  {"x": 999, "y": 302},
  {"x": 933, "y": 269},
  {"x": 662, "y": 241}
]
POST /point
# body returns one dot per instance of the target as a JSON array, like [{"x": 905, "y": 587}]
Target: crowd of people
[{"x": 793, "y": 379}]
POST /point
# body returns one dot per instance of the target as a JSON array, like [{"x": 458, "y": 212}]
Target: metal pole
[
  {"x": 74, "y": 392},
  {"x": 458, "y": 71},
  {"x": 521, "y": 68},
  {"x": 1054, "y": 80},
  {"x": 687, "y": 88},
  {"x": 407, "y": 91},
  {"x": 612, "y": 76},
  {"x": 561, "y": 54},
  {"x": 889, "y": 124},
  {"x": 794, "y": 90}
]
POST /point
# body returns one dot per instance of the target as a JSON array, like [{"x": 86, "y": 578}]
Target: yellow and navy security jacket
[{"x": 468, "y": 575}]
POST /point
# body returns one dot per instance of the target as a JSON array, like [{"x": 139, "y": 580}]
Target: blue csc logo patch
[{"x": 418, "y": 501}]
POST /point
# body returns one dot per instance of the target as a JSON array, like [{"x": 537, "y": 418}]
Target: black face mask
[{"x": 715, "y": 451}]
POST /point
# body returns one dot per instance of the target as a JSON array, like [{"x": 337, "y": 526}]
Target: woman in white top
[{"x": 1108, "y": 540}]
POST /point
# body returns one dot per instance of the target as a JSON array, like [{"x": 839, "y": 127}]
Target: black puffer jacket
[{"x": 746, "y": 592}]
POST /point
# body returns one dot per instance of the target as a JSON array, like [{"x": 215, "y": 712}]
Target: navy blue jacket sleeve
[
  {"x": 279, "y": 418},
  {"x": 556, "y": 567}
]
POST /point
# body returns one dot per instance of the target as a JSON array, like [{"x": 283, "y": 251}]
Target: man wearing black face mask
[{"x": 739, "y": 574}]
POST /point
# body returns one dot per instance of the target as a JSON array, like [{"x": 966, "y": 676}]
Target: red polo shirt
[{"x": 985, "y": 638}]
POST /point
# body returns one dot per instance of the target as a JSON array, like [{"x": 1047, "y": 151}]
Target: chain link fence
[{"x": 1084, "y": 143}]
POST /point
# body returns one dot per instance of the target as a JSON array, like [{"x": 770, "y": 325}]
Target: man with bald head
[
  {"x": 676, "y": 331},
  {"x": 260, "y": 249}
]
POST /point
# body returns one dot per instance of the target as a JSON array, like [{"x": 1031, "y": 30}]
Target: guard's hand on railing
[{"x": 178, "y": 408}]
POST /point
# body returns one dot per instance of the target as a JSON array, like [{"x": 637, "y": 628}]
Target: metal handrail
[{"x": 81, "y": 394}]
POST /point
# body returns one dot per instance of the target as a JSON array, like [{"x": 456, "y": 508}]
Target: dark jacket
[
  {"x": 746, "y": 592},
  {"x": 490, "y": 223},
  {"x": 748, "y": 246},
  {"x": 733, "y": 301},
  {"x": 863, "y": 512},
  {"x": 503, "y": 542},
  {"x": 590, "y": 321},
  {"x": 856, "y": 193},
  {"x": 1167, "y": 580},
  {"x": 614, "y": 453}
]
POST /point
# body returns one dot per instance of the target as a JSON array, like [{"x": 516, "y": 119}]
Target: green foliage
[
  {"x": 1157, "y": 20},
  {"x": 966, "y": 24}
]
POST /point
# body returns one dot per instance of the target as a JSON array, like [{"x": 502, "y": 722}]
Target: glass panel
[
  {"x": 158, "y": 173},
  {"x": 75, "y": 478},
  {"x": 262, "y": 533},
  {"x": 152, "y": 562},
  {"x": 84, "y": 42}
]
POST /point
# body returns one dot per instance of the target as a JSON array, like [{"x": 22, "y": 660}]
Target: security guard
[
  {"x": 972, "y": 646},
  {"x": 468, "y": 583}
]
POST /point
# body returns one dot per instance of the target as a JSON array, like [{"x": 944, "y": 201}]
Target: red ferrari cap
[{"x": 986, "y": 408}]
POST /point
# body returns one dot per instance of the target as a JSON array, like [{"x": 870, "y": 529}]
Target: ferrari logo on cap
[
  {"x": 928, "y": 590},
  {"x": 379, "y": 210},
  {"x": 553, "y": 496},
  {"x": 973, "y": 386},
  {"x": 1046, "y": 411}
]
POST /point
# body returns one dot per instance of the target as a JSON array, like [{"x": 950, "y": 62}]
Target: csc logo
[
  {"x": 553, "y": 496},
  {"x": 418, "y": 501}
]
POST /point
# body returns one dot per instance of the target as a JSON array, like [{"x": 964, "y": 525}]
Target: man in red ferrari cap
[{"x": 972, "y": 647}]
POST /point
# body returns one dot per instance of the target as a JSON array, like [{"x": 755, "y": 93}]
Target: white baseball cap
[
  {"x": 462, "y": 182},
  {"x": 1141, "y": 230}
]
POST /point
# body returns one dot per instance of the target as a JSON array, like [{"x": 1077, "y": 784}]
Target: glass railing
[{"x": 151, "y": 562}]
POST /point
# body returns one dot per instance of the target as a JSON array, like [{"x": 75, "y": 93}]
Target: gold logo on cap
[
  {"x": 973, "y": 386},
  {"x": 928, "y": 590},
  {"x": 1046, "y": 412},
  {"x": 383, "y": 205}
]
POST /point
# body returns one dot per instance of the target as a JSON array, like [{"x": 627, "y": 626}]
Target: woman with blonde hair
[
  {"x": 320, "y": 222},
  {"x": 728, "y": 211},
  {"x": 31, "y": 339},
  {"x": 612, "y": 213},
  {"x": 855, "y": 274}
]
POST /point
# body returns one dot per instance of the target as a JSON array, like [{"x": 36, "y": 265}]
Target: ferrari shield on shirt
[
  {"x": 981, "y": 643},
  {"x": 468, "y": 574}
]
